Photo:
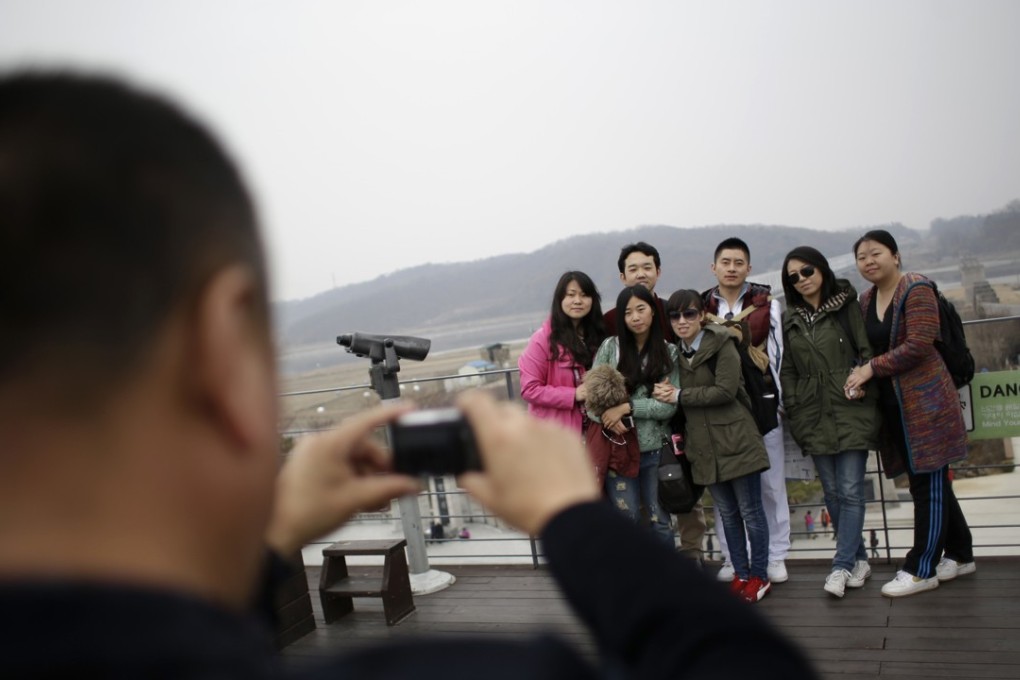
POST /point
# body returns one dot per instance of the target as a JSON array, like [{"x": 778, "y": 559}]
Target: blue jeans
[
  {"x": 627, "y": 494},
  {"x": 743, "y": 518},
  {"x": 842, "y": 477}
]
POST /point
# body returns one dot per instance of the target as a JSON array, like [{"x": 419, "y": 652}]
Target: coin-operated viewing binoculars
[{"x": 385, "y": 352}]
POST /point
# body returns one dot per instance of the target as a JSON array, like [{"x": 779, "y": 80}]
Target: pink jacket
[{"x": 548, "y": 386}]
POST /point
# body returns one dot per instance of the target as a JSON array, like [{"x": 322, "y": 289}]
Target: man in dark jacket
[{"x": 139, "y": 476}]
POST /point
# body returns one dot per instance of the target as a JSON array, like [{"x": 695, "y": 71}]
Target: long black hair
[
  {"x": 811, "y": 256},
  {"x": 648, "y": 366},
  {"x": 583, "y": 341}
]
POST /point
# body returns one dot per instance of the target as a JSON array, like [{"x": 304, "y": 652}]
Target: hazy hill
[{"x": 506, "y": 297}]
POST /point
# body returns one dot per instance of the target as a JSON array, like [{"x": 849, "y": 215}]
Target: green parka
[
  {"x": 817, "y": 358},
  {"x": 722, "y": 441}
]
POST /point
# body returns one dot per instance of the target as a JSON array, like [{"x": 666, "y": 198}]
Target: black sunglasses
[
  {"x": 807, "y": 271},
  {"x": 689, "y": 314}
]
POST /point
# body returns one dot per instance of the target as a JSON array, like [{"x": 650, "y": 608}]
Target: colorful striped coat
[{"x": 929, "y": 403}]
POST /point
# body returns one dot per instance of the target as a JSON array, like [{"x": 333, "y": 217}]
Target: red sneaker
[
  {"x": 737, "y": 585},
  {"x": 756, "y": 589}
]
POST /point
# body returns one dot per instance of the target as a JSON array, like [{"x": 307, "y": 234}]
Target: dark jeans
[
  {"x": 842, "y": 477},
  {"x": 627, "y": 494},
  {"x": 743, "y": 517},
  {"x": 939, "y": 525}
]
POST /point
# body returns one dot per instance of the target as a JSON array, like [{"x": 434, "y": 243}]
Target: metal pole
[
  {"x": 423, "y": 579},
  {"x": 885, "y": 516}
]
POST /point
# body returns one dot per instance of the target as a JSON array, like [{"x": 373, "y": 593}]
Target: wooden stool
[{"x": 337, "y": 588}]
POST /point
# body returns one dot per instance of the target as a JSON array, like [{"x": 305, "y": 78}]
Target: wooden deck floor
[{"x": 969, "y": 628}]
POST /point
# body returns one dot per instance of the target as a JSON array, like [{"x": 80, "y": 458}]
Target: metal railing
[{"x": 889, "y": 513}]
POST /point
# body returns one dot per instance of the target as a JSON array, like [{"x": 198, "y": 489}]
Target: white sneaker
[
  {"x": 948, "y": 569},
  {"x": 835, "y": 583},
  {"x": 777, "y": 572},
  {"x": 907, "y": 584},
  {"x": 725, "y": 574},
  {"x": 859, "y": 574}
]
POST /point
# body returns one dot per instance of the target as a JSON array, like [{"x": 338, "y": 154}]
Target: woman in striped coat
[{"x": 922, "y": 430}]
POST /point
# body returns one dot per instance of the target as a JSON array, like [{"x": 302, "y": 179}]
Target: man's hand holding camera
[
  {"x": 532, "y": 471},
  {"x": 332, "y": 476}
]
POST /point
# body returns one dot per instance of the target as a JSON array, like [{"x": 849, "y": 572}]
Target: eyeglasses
[
  {"x": 689, "y": 314},
  {"x": 807, "y": 271}
]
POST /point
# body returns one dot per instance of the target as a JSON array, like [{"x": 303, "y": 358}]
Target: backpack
[
  {"x": 952, "y": 343},
  {"x": 763, "y": 398},
  {"x": 759, "y": 383}
]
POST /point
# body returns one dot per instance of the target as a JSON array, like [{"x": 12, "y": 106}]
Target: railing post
[
  {"x": 885, "y": 516},
  {"x": 383, "y": 375},
  {"x": 509, "y": 385},
  {"x": 410, "y": 519}
]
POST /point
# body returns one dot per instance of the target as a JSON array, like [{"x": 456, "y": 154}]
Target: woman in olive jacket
[
  {"x": 823, "y": 339},
  {"x": 722, "y": 442}
]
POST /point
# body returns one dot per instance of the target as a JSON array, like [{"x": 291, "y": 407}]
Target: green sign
[{"x": 991, "y": 405}]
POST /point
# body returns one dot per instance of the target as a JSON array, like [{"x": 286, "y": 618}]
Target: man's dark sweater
[{"x": 653, "y": 613}]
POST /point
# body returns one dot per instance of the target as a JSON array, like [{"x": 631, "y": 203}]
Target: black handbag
[{"x": 678, "y": 494}]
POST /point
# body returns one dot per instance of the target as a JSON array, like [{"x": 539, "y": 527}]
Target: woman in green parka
[
  {"x": 722, "y": 442},
  {"x": 823, "y": 339}
]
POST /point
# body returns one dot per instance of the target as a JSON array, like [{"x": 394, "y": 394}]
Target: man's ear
[
  {"x": 712, "y": 266},
  {"x": 748, "y": 267},
  {"x": 623, "y": 278},
  {"x": 232, "y": 361}
]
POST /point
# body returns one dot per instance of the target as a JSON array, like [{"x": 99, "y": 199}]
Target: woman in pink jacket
[{"x": 559, "y": 352}]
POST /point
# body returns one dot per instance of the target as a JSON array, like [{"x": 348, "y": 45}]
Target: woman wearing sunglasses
[
  {"x": 823, "y": 340},
  {"x": 560, "y": 352},
  {"x": 922, "y": 423},
  {"x": 644, "y": 358},
  {"x": 726, "y": 452}
]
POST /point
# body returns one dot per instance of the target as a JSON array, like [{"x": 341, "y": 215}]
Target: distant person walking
[
  {"x": 922, "y": 424},
  {"x": 560, "y": 352},
  {"x": 825, "y": 523},
  {"x": 874, "y": 544},
  {"x": 809, "y": 525}
]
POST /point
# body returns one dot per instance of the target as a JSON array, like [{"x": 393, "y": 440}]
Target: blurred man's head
[
  {"x": 115, "y": 211},
  {"x": 135, "y": 343}
]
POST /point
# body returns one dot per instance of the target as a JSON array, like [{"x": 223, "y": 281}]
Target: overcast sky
[{"x": 380, "y": 135}]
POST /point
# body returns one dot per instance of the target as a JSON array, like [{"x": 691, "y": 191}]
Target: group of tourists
[{"x": 848, "y": 374}]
